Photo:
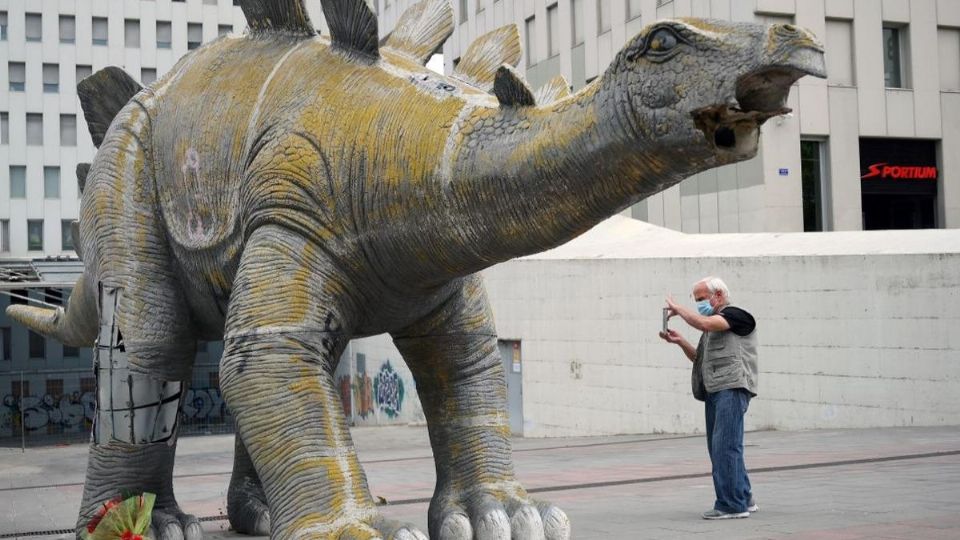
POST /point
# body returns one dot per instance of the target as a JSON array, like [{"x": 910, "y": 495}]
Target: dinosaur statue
[{"x": 287, "y": 192}]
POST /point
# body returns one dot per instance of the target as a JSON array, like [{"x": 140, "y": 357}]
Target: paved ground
[{"x": 849, "y": 484}]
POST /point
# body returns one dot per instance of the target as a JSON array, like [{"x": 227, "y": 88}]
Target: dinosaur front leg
[
  {"x": 287, "y": 325},
  {"x": 454, "y": 359}
]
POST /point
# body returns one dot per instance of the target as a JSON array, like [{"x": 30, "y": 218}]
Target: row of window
[
  {"x": 18, "y": 182},
  {"x": 17, "y": 76},
  {"x": 839, "y": 38},
  {"x": 35, "y": 235},
  {"x": 100, "y": 35},
  {"x": 34, "y": 129},
  {"x": 604, "y": 25}
]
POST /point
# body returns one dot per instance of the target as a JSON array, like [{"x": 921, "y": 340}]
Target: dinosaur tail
[{"x": 76, "y": 326}]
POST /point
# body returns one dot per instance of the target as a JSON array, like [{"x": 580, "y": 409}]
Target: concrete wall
[{"x": 856, "y": 329}]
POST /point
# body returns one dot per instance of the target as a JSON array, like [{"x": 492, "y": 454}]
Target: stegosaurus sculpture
[{"x": 287, "y": 192}]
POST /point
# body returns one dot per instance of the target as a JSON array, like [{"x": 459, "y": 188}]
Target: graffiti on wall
[
  {"x": 362, "y": 389},
  {"x": 71, "y": 412},
  {"x": 203, "y": 404},
  {"x": 388, "y": 389},
  {"x": 384, "y": 392},
  {"x": 74, "y": 412}
]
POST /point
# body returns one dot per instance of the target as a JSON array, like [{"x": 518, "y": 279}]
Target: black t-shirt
[{"x": 741, "y": 323}]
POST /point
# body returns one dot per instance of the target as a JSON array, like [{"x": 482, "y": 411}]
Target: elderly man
[{"x": 725, "y": 378}]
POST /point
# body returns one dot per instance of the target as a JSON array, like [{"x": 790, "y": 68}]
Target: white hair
[{"x": 715, "y": 284}]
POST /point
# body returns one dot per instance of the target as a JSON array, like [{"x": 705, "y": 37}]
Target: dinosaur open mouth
[{"x": 735, "y": 126}]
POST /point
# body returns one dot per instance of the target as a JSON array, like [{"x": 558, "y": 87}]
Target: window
[
  {"x": 55, "y": 388},
  {"x": 34, "y": 129},
  {"x": 530, "y": 28},
  {"x": 224, "y": 29},
  {"x": 18, "y": 182},
  {"x": 18, "y": 296},
  {"x": 839, "y": 41},
  {"x": 35, "y": 234},
  {"x": 148, "y": 75},
  {"x": 51, "y": 182},
  {"x": 53, "y": 296},
  {"x": 18, "y": 75},
  {"x": 479, "y": 6},
  {"x": 949, "y": 48},
  {"x": 70, "y": 352},
  {"x": 603, "y": 17},
  {"x": 83, "y": 72},
  {"x": 210, "y": 2},
  {"x": 16, "y": 387},
  {"x": 68, "y": 29},
  {"x": 194, "y": 35},
  {"x": 131, "y": 33},
  {"x": 51, "y": 78},
  {"x": 633, "y": 9},
  {"x": 576, "y": 22},
  {"x": 5, "y": 336},
  {"x": 164, "y": 35},
  {"x": 34, "y": 27},
  {"x": 3, "y": 25},
  {"x": 100, "y": 33},
  {"x": 553, "y": 30},
  {"x": 463, "y": 11},
  {"x": 38, "y": 346},
  {"x": 4, "y": 128},
  {"x": 811, "y": 173},
  {"x": 892, "y": 74},
  {"x": 68, "y": 130},
  {"x": 4, "y": 235},
  {"x": 88, "y": 385},
  {"x": 66, "y": 235}
]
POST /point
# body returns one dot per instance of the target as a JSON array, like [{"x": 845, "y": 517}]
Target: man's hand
[
  {"x": 673, "y": 306},
  {"x": 672, "y": 336}
]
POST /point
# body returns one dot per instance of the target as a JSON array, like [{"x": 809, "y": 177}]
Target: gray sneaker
[{"x": 717, "y": 514}]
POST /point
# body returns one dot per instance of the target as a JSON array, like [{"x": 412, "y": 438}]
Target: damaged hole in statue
[{"x": 725, "y": 137}]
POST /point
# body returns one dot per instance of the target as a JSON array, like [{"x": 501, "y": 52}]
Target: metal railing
[{"x": 49, "y": 407}]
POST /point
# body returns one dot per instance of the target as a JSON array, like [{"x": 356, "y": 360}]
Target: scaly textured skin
[{"x": 287, "y": 196}]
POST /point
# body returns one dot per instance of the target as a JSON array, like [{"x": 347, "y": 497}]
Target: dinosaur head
[{"x": 700, "y": 89}]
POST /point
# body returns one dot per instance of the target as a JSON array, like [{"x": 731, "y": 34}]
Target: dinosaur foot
[
  {"x": 247, "y": 507},
  {"x": 172, "y": 524},
  {"x": 501, "y": 511},
  {"x": 376, "y": 527}
]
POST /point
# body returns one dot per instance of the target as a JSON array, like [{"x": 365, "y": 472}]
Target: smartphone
[{"x": 666, "y": 317}]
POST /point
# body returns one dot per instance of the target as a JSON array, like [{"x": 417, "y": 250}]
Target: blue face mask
[{"x": 704, "y": 308}]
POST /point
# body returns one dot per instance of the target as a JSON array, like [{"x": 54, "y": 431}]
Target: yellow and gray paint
[{"x": 287, "y": 192}]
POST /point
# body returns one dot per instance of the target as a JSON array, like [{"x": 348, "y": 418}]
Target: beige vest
[{"x": 725, "y": 360}]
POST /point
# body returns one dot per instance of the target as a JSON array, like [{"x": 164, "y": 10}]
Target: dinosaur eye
[{"x": 662, "y": 41}]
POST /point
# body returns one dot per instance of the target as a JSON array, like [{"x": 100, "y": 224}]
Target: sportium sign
[{"x": 883, "y": 171}]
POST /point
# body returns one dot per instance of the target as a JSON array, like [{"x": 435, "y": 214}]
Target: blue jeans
[{"x": 724, "y": 412}]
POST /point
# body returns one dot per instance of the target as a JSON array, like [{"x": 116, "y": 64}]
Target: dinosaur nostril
[{"x": 790, "y": 28}]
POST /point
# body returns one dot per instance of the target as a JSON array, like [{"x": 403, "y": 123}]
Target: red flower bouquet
[{"x": 122, "y": 519}]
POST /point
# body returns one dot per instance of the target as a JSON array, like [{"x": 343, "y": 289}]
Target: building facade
[{"x": 872, "y": 147}]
